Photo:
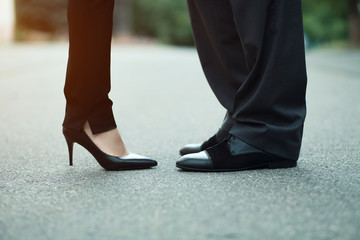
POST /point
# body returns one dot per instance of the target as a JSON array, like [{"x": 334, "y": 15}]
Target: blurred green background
[{"x": 326, "y": 22}]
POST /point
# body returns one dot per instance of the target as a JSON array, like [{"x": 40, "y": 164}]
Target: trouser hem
[{"x": 269, "y": 142}]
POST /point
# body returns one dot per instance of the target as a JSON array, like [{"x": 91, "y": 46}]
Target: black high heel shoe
[{"x": 108, "y": 162}]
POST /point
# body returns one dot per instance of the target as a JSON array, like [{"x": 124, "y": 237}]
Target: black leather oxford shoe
[
  {"x": 198, "y": 147},
  {"x": 232, "y": 154}
]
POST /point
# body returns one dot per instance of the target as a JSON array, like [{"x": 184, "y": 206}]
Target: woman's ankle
[{"x": 109, "y": 142}]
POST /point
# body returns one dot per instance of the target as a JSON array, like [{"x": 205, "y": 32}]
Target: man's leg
[
  {"x": 220, "y": 50},
  {"x": 269, "y": 108},
  {"x": 225, "y": 68},
  {"x": 252, "y": 53}
]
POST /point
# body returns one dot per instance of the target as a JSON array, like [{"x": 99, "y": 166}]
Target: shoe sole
[
  {"x": 270, "y": 165},
  {"x": 130, "y": 168}
]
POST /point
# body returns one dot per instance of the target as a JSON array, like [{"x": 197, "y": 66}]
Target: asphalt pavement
[{"x": 161, "y": 102}]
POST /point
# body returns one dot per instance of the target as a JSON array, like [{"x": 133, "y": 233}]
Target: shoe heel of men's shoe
[{"x": 282, "y": 164}]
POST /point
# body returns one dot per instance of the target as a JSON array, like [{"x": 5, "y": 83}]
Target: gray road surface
[{"x": 161, "y": 102}]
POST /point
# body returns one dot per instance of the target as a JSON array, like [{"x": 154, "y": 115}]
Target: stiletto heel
[
  {"x": 70, "y": 145},
  {"x": 108, "y": 162}
]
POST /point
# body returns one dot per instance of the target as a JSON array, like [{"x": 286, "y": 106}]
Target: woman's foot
[
  {"x": 109, "y": 142},
  {"x": 112, "y": 156}
]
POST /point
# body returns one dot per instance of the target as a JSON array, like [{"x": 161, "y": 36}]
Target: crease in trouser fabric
[
  {"x": 87, "y": 82},
  {"x": 266, "y": 80}
]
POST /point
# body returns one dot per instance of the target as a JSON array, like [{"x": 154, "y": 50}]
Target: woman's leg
[
  {"x": 87, "y": 85},
  {"x": 88, "y": 74}
]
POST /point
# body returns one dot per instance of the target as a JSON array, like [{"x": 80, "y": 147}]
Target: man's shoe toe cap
[
  {"x": 200, "y": 160},
  {"x": 190, "y": 148}
]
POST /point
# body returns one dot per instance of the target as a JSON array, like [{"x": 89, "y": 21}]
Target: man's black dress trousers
[{"x": 252, "y": 53}]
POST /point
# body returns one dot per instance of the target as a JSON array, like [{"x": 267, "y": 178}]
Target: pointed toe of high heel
[
  {"x": 108, "y": 162},
  {"x": 131, "y": 161}
]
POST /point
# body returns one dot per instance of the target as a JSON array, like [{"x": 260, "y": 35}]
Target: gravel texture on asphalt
[{"x": 161, "y": 102}]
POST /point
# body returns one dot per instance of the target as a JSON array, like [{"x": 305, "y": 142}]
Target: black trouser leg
[
  {"x": 213, "y": 27},
  {"x": 252, "y": 53},
  {"x": 88, "y": 74}
]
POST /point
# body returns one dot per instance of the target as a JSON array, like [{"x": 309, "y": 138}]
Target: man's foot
[
  {"x": 198, "y": 147},
  {"x": 232, "y": 154},
  {"x": 109, "y": 142}
]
